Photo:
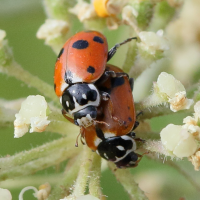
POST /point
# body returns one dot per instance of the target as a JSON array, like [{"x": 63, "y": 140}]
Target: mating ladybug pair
[{"x": 97, "y": 97}]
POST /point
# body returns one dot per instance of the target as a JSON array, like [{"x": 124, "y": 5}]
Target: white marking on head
[
  {"x": 97, "y": 142},
  {"x": 108, "y": 135},
  {"x": 90, "y": 103},
  {"x": 121, "y": 148},
  {"x": 84, "y": 96},
  {"x": 97, "y": 152},
  {"x": 64, "y": 85},
  {"x": 76, "y": 79},
  {"x": 105, "y": 156},
  {"x": 61, "y": 99},
  {"x": 67, "y": 103},
  {"x": 126, "y": 137}
]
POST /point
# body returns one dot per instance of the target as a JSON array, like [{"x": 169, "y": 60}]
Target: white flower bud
[
  {"x": 87, "y": 197},
  {"x": 197, "y": 112},
  {"x": 114, "y": 7},
  {"x": 129, "y": 15},
  {"x": 83, "y": 10},
  {"x": 152, "y": 43},
  {"x": 178, "y": 140},
  {"x": 195, "y": 159},
  {"x": 5, "y": 194},
  {"x": 175, "y": 92},
  {"x": 84, "y": 197},
  {"x": 2, "y": 36},
  {"x": 33, "y": 111},
  {"x": 44, "y": 191},
  {"x": 52, "y": 29}
]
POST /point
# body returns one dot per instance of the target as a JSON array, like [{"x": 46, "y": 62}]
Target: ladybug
[
  {"x": 115, "y": 140},
  {"x": 80, "y": 63}
]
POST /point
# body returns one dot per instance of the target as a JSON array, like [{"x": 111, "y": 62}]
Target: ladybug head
[{"x": 120, "y": 150}]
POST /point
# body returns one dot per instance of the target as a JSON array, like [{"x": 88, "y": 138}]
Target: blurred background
[{"x": 21, "y": 20}]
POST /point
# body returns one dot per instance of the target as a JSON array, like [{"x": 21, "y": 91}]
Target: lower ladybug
[{"x": 115, "y": 140}]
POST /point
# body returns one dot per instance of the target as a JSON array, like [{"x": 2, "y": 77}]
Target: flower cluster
[
  {"x": 34, "y": 111},
  {"x": 183, "y": 141}
]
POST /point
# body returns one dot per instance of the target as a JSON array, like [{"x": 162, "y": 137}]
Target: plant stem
[
  {"x": 81, "y": 181},
  {"x": 15, "y": 70},
  {"x": 127, "y": 180},
  {"x": 95, "y": 174},
  {"x": 62, "y": 188},
  {"x": 39, "y": 152},
  {"x": 39, "y": 164}
]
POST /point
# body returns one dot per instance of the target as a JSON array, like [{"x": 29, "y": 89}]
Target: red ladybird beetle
[
  {"x": 80, "y": 63},
  {"x": 114, "y": 140}
]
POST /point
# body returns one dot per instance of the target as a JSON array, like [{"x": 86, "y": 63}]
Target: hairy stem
[
  {"x": 95, "y": 174},
  {"x": 127, "y": 180}
]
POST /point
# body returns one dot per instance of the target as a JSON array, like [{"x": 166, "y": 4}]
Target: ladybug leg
[
  {"x": 136, "y": 125},
  {"x": 111, "y": 111},
  {"x": 132, "y": 135},
  {"x": 131, "y": 82},
  {"x": 81, "y": 135},
  {"x": 107, "y": 74},
  {"x": 105, "y": 96},
  {"x": 140, "y": 113},
  {"x": 64, "y": 113},
  {"x": 115, "y": 74},
  {"x": 113, "y": 50}
]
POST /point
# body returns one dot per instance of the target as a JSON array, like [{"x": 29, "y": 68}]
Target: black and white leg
[
  {"x": 113, "y": 50},
  {"x": 104, "y": 95}
]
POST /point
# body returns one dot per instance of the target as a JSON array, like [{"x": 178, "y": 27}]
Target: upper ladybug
[{"x": 82, "y": 59}]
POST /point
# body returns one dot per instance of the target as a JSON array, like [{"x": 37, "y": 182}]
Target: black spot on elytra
[
  {"x": 117, "y": 81},
  {"x": 80, "y": 44},
  {"x": 130, "y": 119},
  {"x": 91, "y": 70},
  {"x": 128, "y": 107},
  {"x": 61, "y": 52},
  {"x": 98, "y": 39}
]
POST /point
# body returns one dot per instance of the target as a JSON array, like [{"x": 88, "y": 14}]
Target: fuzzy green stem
[
  {"x": 184, "y": 173},
  {"x": 156, "y": 147},
  {"x": 81, "y": 181},
  {"x": 162, "y": 15},
  {"x": 58, "y": 9},
  {"x": 130, "y": 55},
  {"x": 22, "y": 182},
  {"x": 60, "y": 125},
  {"x": 127, "y": 180},
  {"x": 171, "y": 163},
  {"x": 62, "y": 188},
  {"x": 95, "y": 174},
  {"x": 139, "y": 66},
  {"x": 39, "y": 164},
  {"x": 7, "y": 117},
  {"x": 15, "y": 70},
  {"x": 41, "y": 151}
]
